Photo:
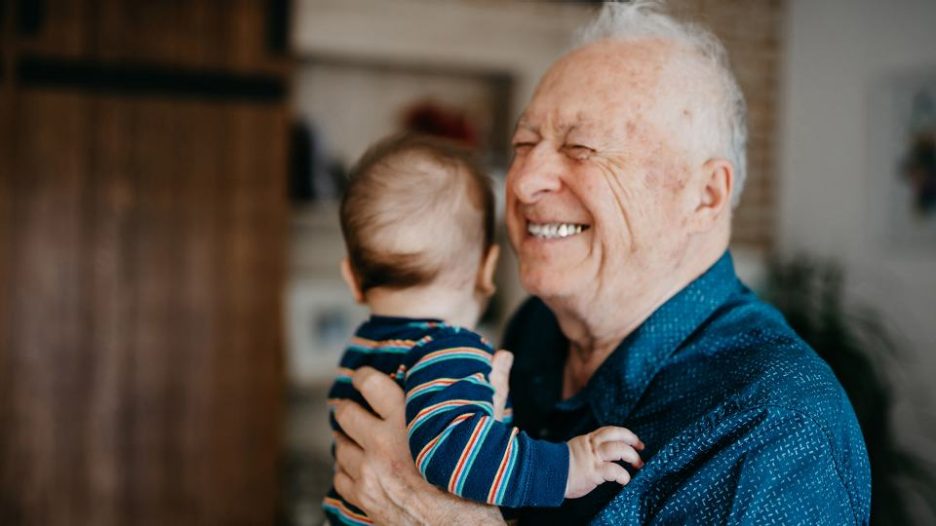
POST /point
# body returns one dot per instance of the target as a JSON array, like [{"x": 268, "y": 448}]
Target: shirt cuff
[{"x": 546, "y": 481}]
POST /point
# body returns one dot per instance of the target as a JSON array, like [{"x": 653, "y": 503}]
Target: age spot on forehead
[{"x": 631, "y": 129}]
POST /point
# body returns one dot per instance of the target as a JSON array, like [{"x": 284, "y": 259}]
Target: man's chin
[{"x": 545, "y": 285}]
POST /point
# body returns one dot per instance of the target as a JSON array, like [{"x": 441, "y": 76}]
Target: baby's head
[{"x": 418, "y": 218}]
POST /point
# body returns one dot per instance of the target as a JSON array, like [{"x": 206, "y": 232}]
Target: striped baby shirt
[{"x": 455, "y": 441}]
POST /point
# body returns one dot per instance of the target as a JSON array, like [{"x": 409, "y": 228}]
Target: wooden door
[{"x": 142, "y": 248}]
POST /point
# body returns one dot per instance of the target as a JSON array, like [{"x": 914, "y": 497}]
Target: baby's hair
[{"x": 416, "y": 208}]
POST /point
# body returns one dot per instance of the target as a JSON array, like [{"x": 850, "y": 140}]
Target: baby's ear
[
  {"x": 347, "y": 273},
  {"x": 485, "y": 281}
]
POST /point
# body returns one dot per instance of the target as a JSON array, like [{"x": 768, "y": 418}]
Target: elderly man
[{"x": 628, "y": 160}]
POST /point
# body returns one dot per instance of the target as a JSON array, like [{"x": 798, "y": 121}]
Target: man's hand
[
  {"x": 364, "y": 463},
  {"x": 374, "y": 469},
  {"x": 500, "y": 379}
]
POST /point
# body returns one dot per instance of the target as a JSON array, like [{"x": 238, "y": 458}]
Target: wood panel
[
  {"x": 6, "y": 407},
  {"x": 42, "y": 461},
  {"x": 142, "y": 259},
  {"x": 195, "y": 34},
  {"x": 112, "y": 291},
  {"x": 60, "y": 28},
  {"x": 249, "y": 270},
  {"x": 145, "y": 287}
]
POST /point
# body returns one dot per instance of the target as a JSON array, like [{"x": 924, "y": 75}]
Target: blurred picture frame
[
  {"x": 902, "y": 160},
  {"x": 322, "y": 318}
]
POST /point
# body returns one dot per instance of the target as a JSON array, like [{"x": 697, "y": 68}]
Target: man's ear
[
  {"x": 347, "y": 273},
  {"x": 485, "y": 281},
  {"x": 714, "y": 193}
]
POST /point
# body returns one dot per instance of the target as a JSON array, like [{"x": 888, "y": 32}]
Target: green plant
[{"x": 857, "y": 345}]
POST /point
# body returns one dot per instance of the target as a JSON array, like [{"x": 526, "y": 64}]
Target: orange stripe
[
  {"x": 453, "y": 350},
  {"x": 440, "y": 381},
  {"x": 433, "y": 407},
  {"x": 344, "y": 509},
  {"x": 465, "y": 453},
  {"x": 440, "y": 405},
  {"x": 419, "y": 389},
  {"x": 425, "y": 451},
  {"x": 498, "y": 478},
  {"x": 364, "y": 342}
]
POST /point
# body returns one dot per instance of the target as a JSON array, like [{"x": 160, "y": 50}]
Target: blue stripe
[
  {"x": 389, "y": 349},
  {"x": 475, "y": 381},
  {"x": 473, "y": 455},
  {"x": 428, "y": 458},
  {"x": 446, "y": 357},
  {"x": 510, "y": 465},
  {"x": 484, "y": 406}
]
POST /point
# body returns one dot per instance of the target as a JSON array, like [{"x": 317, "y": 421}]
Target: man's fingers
[
  {"x": 348, "y": 456},
  {"x": 607, "y": 433},
  {"x": 354, "y": 420},
  {"x": 614, "y": 472},
  {"x": 344, "y": 485},
  {"x": 500, "y": 366},
  {"x": 500, "y": 380},
  {"x": 381, "y": 392},
  {"x": 611, "y": 451}
]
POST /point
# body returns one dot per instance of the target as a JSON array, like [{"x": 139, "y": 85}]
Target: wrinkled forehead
[{"x": 602, "y": 85}]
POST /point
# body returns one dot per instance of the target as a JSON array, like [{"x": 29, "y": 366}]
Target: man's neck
[
  {"x": 593, "y": 340},
  {"x": 595, "y": 328}
]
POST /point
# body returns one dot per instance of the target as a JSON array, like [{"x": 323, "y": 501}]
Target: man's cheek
[{"x": 614, "y": 183}]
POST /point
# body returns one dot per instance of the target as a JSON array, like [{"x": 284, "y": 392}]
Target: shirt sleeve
[
  {"x": 455, "y": 440},
  {"x": 791, "y": 477},
  {"x": 765, "y": 466}
]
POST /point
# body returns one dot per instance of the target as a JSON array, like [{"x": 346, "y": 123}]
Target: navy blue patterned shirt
[{"x": 743, "y": 422}]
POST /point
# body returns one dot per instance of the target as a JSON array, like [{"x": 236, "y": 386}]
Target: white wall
[
  {"x": 839, "y": 53},
  {"x": 520, "y": 39}
]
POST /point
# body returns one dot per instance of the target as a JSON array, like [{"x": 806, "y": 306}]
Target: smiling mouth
[{"x": 554, "y": 230}]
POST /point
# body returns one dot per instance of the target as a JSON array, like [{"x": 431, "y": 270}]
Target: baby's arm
[
  {"x": 593, "y": 459},
  {"x": 460, "y": 447},
  {"x": 457, "y": 443}
]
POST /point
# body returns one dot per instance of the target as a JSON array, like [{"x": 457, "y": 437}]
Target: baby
[{"x": 418, "y": 222}]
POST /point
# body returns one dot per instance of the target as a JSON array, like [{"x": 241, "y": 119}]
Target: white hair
[{"x": 646, "y": 19}]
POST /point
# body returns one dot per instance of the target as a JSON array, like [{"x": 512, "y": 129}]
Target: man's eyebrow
[{"x": 523, "y": 123}]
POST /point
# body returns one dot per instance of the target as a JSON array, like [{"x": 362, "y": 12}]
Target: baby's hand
[{"x": 592, "y": 459}]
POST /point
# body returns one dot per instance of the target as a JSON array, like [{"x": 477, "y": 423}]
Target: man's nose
[{"x": 535, "y": 175}]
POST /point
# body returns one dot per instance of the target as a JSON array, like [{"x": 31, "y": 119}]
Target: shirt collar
[{"x": 621, "y": 380}]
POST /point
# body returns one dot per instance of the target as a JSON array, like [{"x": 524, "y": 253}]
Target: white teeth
[{"x": 554, "y": 230}]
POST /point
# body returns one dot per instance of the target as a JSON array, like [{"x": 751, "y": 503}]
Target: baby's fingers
[
  {"x": 620, "y": 434},
  {"x": 611, "y": 451},
  {"x": 615, "y": 472}
]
